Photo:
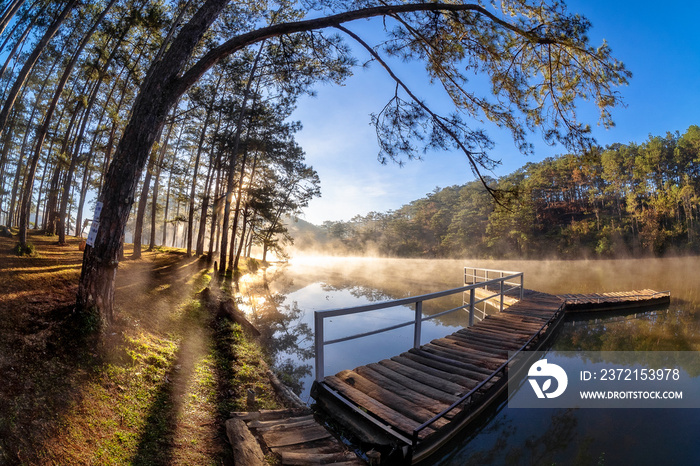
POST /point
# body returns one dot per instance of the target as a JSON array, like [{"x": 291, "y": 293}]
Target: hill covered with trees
[{"x": 622, "y": 200}]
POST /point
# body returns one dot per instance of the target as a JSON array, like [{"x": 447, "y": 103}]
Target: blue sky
[{"x": 659, "y": 43}]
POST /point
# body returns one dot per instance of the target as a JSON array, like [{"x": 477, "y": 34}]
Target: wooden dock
[
  {"x": 293, "y": 436},
  {"x": 411, "y": 404},
  {"x": 403, "y": 409},
  {"x": 615, "y": 300}
]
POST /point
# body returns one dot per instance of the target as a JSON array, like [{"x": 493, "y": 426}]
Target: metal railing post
[
  {"x": 318, "y": 344},
  {"x": 419, "y": 321},
  {"x": 522, "y": 287},
  {"x": 471, "y": 307},
  {"x": 501, "y": 292}
]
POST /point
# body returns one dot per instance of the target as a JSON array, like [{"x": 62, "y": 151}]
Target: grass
[{"x": 155, "y": 389}]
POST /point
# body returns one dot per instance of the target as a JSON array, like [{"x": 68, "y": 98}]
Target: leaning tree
[{"x": 536, "y": 55}]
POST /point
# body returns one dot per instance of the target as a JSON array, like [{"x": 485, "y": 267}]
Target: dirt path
[{"x": 155, "y": 390}]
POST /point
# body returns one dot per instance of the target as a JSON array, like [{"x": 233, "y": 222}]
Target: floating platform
[{"x": 615, "y": 301}]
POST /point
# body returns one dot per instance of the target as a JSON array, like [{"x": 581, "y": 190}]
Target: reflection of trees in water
[
  {"x": 287, "y": 340},
  {"x": 359, "y": 291},
  {"x": 373, "y": 294},
  {"x": 657, "y": 330},
  {"x": 651, "y": 332},
  {"x": 291, "y": 373},
  {"x": 543, "y": 448},
  {"x": 560, "y": 439}
]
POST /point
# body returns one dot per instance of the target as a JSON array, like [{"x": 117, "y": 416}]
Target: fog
[{"x": 405, "y": 277}]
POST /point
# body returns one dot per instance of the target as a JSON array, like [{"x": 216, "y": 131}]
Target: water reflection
[
  {"x": 281, "y": 303},
  {"x": 674, "y": 328},
  {"x": 281, "y": 300},
  {"x": 597, "y": 436}
]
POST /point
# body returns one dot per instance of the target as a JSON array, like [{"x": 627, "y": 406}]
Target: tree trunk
[
  {"x": 31, "y": 61},
  {"x": 200, "y": 148},
  {"x": 141, "y": 211},
  {"x": 26, "y": 195},
  {"x": 167, "y": 203},
  {"x": 245, "y": 212},
  {"x": 176, "y": 222},
  {"x": 50, "y": 209},
  {"x": 214, "y": 238},
  {"x": 232, "y": 168},
  {"x": 10, "y": 56},
  {"x": 38, "y": 198},
  {"x": 205, "y": 207},
  {"x": 213, "y": 241},
  {"x": 75, "y": 159},
  {"x": 83, "y": 194},
  {"x": 9, "y": 13},
  {"x": 6, "y": 144},
  {"x": 156, "y": 184}
]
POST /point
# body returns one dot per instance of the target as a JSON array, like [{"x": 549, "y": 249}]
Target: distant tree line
[{"x": 622, "y": 200}]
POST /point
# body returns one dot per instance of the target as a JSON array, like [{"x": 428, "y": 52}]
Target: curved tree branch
[
  {"x": 237, "y": 43},
  {"x": 434, "y": 117}
]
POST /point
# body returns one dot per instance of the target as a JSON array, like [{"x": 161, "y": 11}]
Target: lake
[{"x": 281, "y": 301}]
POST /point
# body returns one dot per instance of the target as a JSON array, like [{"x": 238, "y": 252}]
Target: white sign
[
  {"x": 98, "y": 211},
  {"x": 90, "y": 241},
  {"x": 95, "y": 226}
]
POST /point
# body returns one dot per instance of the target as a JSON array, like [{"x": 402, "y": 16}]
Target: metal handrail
[{"x": 319, "y": 316}]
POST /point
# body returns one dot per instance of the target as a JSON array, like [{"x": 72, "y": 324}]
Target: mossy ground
[{"x": 156, "y": 388}]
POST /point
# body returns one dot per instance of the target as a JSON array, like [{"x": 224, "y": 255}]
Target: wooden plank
[
  {"x": 489, "y": 333},
  {"x": 482, "y": 342},
  {"x": 464, "y": 382},
  {"x": 452, "y": 362},
  {"x": 457, "y": 346},
  {"x": 449, "y": 368},
  {"x": 486, "y": 364},
  {"x": 422, "y": 377},
  {"x": 283, "y": 437},
  {"x": 388, "y": 415},
  {"x": 510, "y": 315},
  {"x": 492, "y": 351},
  {"x": 415, "y": 385},
  {"x": 409, "y": 408},
  {"x": 311, "y": 457},
  {"x": 408, "y": 391},
  {"x": 282, "y": 423},
  {"x": 497, "y": 340},
  {"x": 514, "y": 321},
  {"x": 500, "y": 327},
  {"x": 508, "y": 327},
  {"x": 447, "y": 353},
  {"x": 271, "y": 414},
  {"x": 322, "y": 446}
]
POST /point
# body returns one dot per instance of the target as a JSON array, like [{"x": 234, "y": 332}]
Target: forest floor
[{"x": 156, "y": 388}]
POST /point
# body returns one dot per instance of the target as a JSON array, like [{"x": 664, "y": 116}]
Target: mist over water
[{"x": 293, "y": 291}]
